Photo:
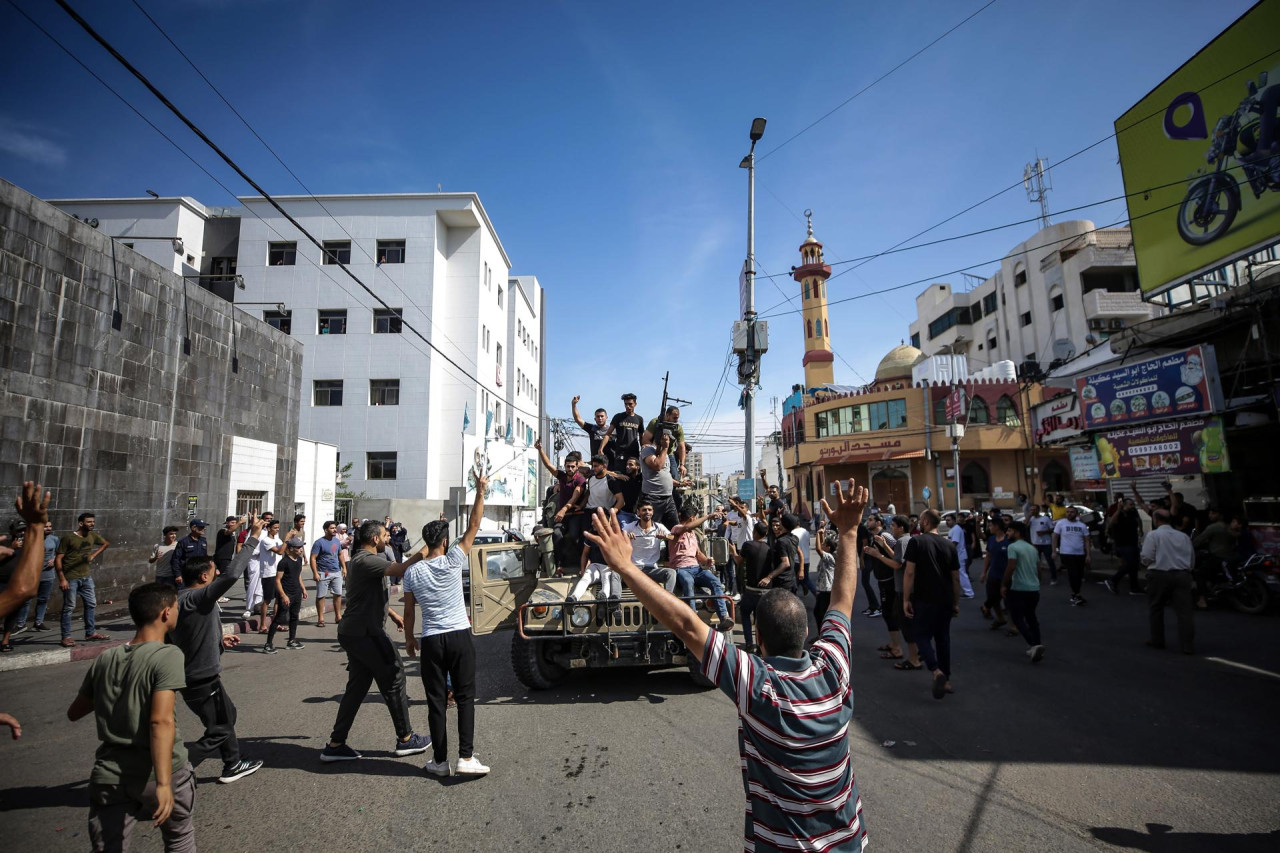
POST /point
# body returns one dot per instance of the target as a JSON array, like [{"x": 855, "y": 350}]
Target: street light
[{"x": 749, "y": 303}]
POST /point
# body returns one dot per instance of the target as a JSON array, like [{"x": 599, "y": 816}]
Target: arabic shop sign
[
  {"x": 847, "y": 446},
  {"x": 1084, "y": 464},
  {"x": 1193, "y": 446},
  {"x": 1169, "y": 386},
  {"x": 1057, "y": 419}
]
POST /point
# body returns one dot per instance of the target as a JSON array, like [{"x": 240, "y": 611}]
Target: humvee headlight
[
  {"x": 581, "y": 617},
  {"x": 540, "y": 612}
]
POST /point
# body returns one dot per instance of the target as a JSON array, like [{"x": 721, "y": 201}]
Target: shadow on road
[
  {"x": 1161, "y": 838},
  {"x": 71, "y": 795},
  {"x": 279, "y": 753}
]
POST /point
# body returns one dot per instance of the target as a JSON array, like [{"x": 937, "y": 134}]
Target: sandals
[
  {"x": 885, "y": 648},
  {"x": 888, "y": 655},
  {"x": 95, "y": 637},
  {"x": 320, "y": 624},
  {"x": 68, "y": 642},
  {"x": 906, "y": 665},
  {"x": 6, "y": 647}
]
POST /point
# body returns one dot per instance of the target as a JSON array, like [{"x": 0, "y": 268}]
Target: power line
[
  {"x": 865, "y": 88},
  {"x": 294, "y": 175},
  {"x": 142, "y": 78}
]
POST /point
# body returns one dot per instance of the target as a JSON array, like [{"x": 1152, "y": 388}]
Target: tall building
[
  {"x": 812, "y": 274},
  {"x": 1066, "y": 289},
  {"x": 693, "y": 462},
  {"x": 412, "y": 420}
]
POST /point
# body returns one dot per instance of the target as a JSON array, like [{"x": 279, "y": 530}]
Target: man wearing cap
[
  {"x": 622, "y": 438},
  {"x": 289, "y": 594},
  {"x": 192, "y": 545}
]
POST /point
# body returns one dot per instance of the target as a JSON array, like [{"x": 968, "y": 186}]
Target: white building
[
  {"x": 1057, "y": 294},
  {"x": 392, "y": 405},
  {"x": 693, "y": 463}
]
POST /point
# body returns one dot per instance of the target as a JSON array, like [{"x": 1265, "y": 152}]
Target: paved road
[{"x": 1106, "y": 745}]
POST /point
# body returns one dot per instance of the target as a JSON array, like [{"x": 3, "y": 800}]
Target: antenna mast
[{"x": 1037, "y": 182}]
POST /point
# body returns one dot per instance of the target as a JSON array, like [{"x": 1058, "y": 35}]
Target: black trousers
[
  {"x": 295, "y": 604},
  {"x": 888, "y": 603},
  {"x": 209, "y": 701},
  {"x": 1074, "y": 564},
  {"x": 371, "y": 658},
  {"x": 931, "y": 626},
  {"x": 450, "y": 656},
  {"x": 869, "y": 587},
  {"x": 821, "y": 604},
  {"x": 1171, "y": 588},
  {"x": 1022, "y": 610}
]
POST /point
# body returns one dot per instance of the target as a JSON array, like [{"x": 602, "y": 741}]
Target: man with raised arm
[
  {"x": 33, "y": 507},
  {"x": 448, "y": 655},
  {"x": 794, "y": 707}
]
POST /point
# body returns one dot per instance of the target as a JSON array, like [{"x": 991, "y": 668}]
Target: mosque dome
[{"x": 898, "y": 363}]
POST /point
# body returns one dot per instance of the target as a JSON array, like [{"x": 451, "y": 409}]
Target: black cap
[
  {"x": 196, "y": 522},
  {"x": 17, "y": 526}
]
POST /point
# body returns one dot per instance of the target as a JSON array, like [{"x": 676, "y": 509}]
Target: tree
[{"x": 341, "y": 489}]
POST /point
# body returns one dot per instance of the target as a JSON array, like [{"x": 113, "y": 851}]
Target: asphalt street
[{"x": 1105, "y": 745}]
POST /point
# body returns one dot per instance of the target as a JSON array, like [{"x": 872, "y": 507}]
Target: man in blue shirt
[
  {"x": 447, "y": 651},
  {"x": 192, "y": 545},
  {"x": 46, "y": 584},
  {"x": 329, "y": 568}
]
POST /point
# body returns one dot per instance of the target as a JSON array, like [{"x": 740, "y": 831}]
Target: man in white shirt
[
  {"x": 598, "y": 493},
  {"x": 1071, "y": 546},
  {"x": 802, "y": 571},
  {"x": 1169, "y": 557},
  {"x": 265, "y": 556},
  {"x": 955, "y": 533},
  {"x": 1041, "y": 527},
  {"x": 647, "y": 537}
]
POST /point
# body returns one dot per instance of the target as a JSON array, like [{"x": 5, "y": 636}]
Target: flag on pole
[
  {"x": 466, "y": 416},
  {"x": 510, "y": 430}
]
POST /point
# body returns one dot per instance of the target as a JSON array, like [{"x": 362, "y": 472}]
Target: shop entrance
[{"x": 891, "y": 486}]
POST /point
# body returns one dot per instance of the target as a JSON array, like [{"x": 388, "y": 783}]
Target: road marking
[{"x": 1246, "y": 667}]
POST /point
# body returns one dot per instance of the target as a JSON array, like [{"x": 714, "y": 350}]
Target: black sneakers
[{"x": 239, "y": 770}]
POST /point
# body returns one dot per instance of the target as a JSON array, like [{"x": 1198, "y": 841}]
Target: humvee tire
[{"x": 531, "y": 665}]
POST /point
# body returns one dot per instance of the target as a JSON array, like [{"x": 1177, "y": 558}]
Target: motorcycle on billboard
[{"x": 1248, "y": 135}]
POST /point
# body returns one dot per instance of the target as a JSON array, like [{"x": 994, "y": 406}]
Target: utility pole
[{"x": 748, "y": 358}]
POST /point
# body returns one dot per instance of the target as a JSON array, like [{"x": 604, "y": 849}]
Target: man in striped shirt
[{"x": 794, "y": 706}]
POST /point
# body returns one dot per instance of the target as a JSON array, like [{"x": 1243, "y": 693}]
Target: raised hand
[
  {"x": 847, "y": 514},
  {"x": 577, "y": 398},
  {"x": 255, "y": 525},
  {"x": 31, "y": 506},
  {"x": 614, "y": 545}
]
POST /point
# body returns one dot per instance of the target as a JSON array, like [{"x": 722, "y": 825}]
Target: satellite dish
[{"x": 1064, "y": 349}]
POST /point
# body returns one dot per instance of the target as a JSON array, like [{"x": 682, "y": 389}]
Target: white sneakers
[
  {"x": 471, "y": 767},
  {"x": 441, "y": 769}
]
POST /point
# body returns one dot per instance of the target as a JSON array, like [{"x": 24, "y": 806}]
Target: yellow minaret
[{"x": 812, "y": 274}]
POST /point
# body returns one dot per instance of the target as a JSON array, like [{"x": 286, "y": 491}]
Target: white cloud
[{"x": 25, "y": 141}]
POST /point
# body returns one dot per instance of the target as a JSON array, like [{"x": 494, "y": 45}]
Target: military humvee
[{"x": 514, "y": 587}]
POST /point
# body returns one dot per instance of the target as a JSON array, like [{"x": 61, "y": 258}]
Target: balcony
[{"x": 1103, "y": 305}]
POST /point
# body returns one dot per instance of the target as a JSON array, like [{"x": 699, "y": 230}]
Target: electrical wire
[
  {"x": 873, "y": 83},
  {"x": 435, "y": 329},
  {"x": 244, "y": 176}
]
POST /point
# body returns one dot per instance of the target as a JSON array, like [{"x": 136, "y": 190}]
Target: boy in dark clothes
[{"x": 289, "y": 593}]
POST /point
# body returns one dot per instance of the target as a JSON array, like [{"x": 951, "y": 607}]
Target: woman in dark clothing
[{"x": 290, "y": 595}]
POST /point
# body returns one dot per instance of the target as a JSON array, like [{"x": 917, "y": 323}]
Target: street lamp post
[{"x": 749, "y": 369}]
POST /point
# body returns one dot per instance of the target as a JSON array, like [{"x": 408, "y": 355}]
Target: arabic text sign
[
  {"x": 1084, "y": 464},
  {"x": 848, "y": 446},
  {"x": 1056, "y": 419},
  {"x": 1170, "y": 386},
  {"x": 1194, "y": 446}
]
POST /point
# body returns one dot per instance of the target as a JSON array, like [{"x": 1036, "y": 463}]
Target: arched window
[
  {"x": 978, "y": 411},
  {"x": 808, "y": 328},
  {"x": 817, "y": 289},
  {"x": 1007, "y": 412},
  {"x": 940, "y": 411},
  {"x": 806, "y": 289},
  {"x": 974, "y": 480}
]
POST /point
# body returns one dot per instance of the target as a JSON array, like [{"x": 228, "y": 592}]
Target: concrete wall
[{"x": 131, "y": 423}]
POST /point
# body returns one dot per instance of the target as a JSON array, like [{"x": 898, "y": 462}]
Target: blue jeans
[
  {"x": 84, "y": 590},
  {"x": 42, "y": 599},
  {"x": 687, "y": 579}
]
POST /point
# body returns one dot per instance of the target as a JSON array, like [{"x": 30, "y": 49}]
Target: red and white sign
[
  {"x": 1056, "y": 419},
  {"x": 955, "y": 404}
]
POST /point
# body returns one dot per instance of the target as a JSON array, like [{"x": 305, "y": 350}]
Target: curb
[{"x": 88, "y": 651}]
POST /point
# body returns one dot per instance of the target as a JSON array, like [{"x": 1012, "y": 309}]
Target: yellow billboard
[{"x": 1201, "y": 155}]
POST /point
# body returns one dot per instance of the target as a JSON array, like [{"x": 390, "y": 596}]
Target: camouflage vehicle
[{"x": 514, "y": 587}]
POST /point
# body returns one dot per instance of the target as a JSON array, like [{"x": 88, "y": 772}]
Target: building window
[
  {"x": 499, "y": 296},
  {"x": 940, "y": 411},
  {"x": 332, "y": 322},
  {"x": 955, "y": 317},
  {"x": 1025, "y": 319},
  {"x": 380, "y": 465},
  {"x": 384, "y": 392},
  {"x": 915, "y": 340},
  {"x": 974, "y": 480},
  {"x": 497, "y": 349},
  {"x": 1007, "y": 412},
  {"x": 282, "y": 254},
  {"x": 328, "y": 392},
  {"x": 387, "y": 321},
  {"x": 990, "y": 303},
  {"x": 248, "y": 502},
  {"x": 391, "y": 252},
  {"x": 222, "y": 270},
  {"x": 808, "y": 328},
  {"x": 975, "y": 311},
  {"x": 1019, "y": 278},
  {"x": 817, "y": 289},
  {"x": 978, "y": 411},
  {"x": 337, "y": 252},
  {"x": 282, "y": 320},
  {"x": 806, "y": 289},
  {"x": 1056, "y": 302},
  {"x": 867, "y": 417}
]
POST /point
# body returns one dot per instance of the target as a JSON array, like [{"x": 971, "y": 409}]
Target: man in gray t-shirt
[{"x": 658, "y": 484}]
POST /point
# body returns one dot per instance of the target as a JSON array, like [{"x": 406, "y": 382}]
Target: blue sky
[{"x": 604, "y": 140}]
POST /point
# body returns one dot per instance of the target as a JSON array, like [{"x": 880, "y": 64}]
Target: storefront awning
[{"x": 870, "y": 456}]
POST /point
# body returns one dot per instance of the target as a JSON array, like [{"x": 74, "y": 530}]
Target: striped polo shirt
[
  {"x": 793, "y": 724},
  {"x": 436, "y": 584}
]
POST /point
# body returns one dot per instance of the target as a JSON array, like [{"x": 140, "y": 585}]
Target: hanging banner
[
  {"x": 1084, "y": 464},
  {"x": 1169, "y": 386},
  {"x": 1056, "y": 419},
  {"x": 1195, "y": 446}
]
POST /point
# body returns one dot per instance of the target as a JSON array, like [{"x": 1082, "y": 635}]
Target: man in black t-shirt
[
  {"x": 596, "y": 431},
  {"x": 225, "y": 543},
  {"x": 753, "y": 562},
  {"x": 628, "y": 485},
  {"x": 784, "y": 557},
  {"x": 865, "y": 569},
  {"x": 622, "y": 438},
  {"x": 931, "y": 591}
]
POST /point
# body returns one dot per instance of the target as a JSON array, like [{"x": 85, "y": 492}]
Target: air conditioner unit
[
  {"x": 1117, "y": 324},
  {"x": 1097, "y": 325}
]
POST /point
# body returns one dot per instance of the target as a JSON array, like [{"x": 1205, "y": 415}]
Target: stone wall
[{"x": 121, "y": 387}]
